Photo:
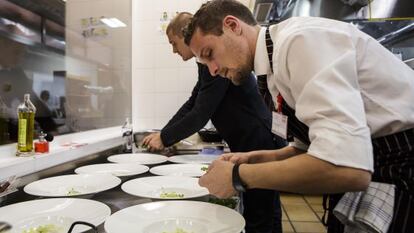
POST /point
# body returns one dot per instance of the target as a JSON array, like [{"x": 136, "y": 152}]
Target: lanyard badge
[{"x": 279, "y": 121}]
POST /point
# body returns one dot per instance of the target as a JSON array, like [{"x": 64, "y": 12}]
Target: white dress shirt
[{"x": 342, "y": 83}]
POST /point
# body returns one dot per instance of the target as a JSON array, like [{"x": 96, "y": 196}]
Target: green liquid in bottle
[
  {"x": 25, "y": 133},
  {"x": 26, "y": 113}
]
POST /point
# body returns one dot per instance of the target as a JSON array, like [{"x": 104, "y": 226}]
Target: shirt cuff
[{"x": 343, "y": 148}]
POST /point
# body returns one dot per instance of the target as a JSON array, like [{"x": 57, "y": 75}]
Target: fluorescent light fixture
[{"x": 113, "y": 22}]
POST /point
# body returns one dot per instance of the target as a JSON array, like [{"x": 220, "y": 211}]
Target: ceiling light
[{"x": 113, "y": 22}]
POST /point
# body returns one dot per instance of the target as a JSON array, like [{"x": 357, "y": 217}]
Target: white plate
[
  {"x": 116, "y": 169},
  {"x": 72, "y": 185},
  {"x": 61, "y": 212},
  {"x": 190, "y": 170},
  {"x": 168, "y": 216},
  {"x": 140, "y": 158},
  {"x": 193, "y": 158},
  {"x": 154, "y": 186}
]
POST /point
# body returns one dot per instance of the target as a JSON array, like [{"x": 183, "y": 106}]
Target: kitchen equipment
[
  {"x": 140, "y": 135},
  {"x": 210, "y": 135}
]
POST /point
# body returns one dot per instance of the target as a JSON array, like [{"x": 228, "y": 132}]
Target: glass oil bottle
[{"x": 26, "y": 112}]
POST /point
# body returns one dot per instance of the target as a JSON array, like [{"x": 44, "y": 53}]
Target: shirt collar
[{"x": 261, "y": 59}]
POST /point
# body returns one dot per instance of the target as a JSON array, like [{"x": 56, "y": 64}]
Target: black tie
[{"x": 264, "y": 92}]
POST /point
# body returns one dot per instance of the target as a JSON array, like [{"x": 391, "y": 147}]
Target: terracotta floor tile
[
  {"x": 287, "y": 227},
  {"x": 317, "y": 207},
  {"x": 317, "y": 199},
  {"x": 292, "y": 199},
  {"x": 300, "y": 213},
  {"x": 309, "y": 227}
]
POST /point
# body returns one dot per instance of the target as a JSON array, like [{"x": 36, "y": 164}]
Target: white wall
[{"x": 161, "y": 81}]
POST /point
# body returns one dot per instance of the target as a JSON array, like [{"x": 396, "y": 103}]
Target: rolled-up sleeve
[{"x": 324, "y": 85}]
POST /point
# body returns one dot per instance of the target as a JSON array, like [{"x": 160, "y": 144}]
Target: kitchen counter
[
  {"x": 63, "y": 149},
  {"x": 115, "y": 198}
]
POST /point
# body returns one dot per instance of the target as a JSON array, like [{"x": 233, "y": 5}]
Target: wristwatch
[{"x": 238, "y": 184}]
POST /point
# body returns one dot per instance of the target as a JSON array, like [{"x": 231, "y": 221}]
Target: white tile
[
  {"x": 189, "y": 6},
  {"x": 182, "y": 98},
  {"x": 166, "y": 80},
  {"x": 160, "y": 122},
  {"x": 143, "y": 81},
  {"x": 165, "y": 5},
  {"x": 143, "y": 106},
  {"x": 143, "y": 56},
  {"x": 161, "y": 36},
  {"x": 166, "y": 104},
  {"x": 143, "y": 10},
  {"x": 146, "y": 31},
  {"x": 142, "y": 123},
  {"x": 164, "y": 58},
  {"x": 188, "y": 79},
  {"x": 188, "y": 64}
]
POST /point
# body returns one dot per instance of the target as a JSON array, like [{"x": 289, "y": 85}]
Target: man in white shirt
[{"x": 348, "y": 103}]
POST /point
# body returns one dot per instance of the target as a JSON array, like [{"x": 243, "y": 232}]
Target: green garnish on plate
[
  {"x": 72, "y": 192},
  {"x": 48, "y": 228}
]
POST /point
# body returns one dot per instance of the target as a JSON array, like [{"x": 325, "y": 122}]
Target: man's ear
[{"x": 232, "y": 23}]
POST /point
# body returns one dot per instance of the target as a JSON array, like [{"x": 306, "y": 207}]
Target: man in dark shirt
[{"x": 240, "y": 116}]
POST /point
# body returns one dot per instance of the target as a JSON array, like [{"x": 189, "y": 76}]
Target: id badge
[{"x": 279, "y": 124}]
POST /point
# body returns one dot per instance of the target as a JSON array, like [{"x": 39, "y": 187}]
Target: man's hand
[
  {"x": 153, "y": 142},
  {"x": 236, "y": 158},
  {"x": 218, "y": 179}
]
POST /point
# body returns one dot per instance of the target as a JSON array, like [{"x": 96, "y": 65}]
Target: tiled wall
[{"x": 161, "y": 81}]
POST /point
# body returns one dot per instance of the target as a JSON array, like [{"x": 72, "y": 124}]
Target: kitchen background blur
[{"x": 89, "y": 64}]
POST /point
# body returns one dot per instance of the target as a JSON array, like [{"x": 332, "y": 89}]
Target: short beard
[{"x": 241, "y": 76}]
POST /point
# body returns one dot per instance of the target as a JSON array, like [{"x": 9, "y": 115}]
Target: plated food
[
  {"x": 175, "y": 217},
  {"x": 190, "y": 170},
  {"x": 72, "y": 185},
  {"x": 54, "y": 215},
  {"x": 165, "y": 187},
  {"x": 140, "y": 158},
  {"x": 116, "y": 169},
  {"x": 193, "y": 158}
]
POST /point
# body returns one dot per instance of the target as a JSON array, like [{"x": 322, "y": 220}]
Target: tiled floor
[{"x": 302, "y": 214}]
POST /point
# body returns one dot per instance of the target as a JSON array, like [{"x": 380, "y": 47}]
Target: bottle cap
[{"x": 49, "y": 137}]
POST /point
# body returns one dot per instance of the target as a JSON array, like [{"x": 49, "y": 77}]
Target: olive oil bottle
[{"x": 26, "y": 112}]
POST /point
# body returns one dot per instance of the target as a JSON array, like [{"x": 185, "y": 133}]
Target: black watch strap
[{"x": 237, "y": 182}]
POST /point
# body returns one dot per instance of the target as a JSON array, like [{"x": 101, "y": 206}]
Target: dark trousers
[
  {"x": 393, "y": 164},
  {"x": 262, "y": 211}
]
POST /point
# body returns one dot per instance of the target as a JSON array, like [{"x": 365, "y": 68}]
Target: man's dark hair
[{"x": 210, "y": 16}]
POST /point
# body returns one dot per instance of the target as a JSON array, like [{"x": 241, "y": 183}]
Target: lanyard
[{"x": 269, "y": 47}]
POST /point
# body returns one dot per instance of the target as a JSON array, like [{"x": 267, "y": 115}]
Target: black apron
[{"x": 393, "y": 163}]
